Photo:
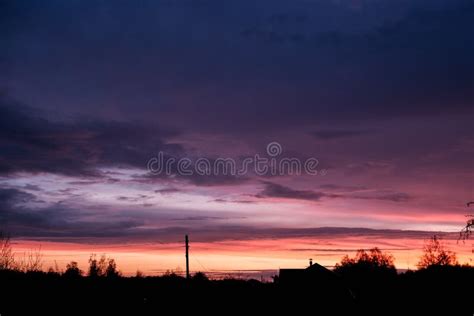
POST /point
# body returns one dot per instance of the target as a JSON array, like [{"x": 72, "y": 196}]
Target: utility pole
[{"x": 187, "y": 256}]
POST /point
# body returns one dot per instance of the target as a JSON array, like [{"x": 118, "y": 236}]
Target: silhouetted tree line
[
  {"x": 370, "y": 275},
  {"x": 101, "y": 267}
]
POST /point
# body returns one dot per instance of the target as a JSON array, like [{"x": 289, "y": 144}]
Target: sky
[{"x": 378, "y": 94}]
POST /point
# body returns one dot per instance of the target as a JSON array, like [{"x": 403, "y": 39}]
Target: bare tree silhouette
[
  {"x": 466, "y": 231},
  {"x": 434, "y": 254},
  {"x": 7, "y": 258},
  {"x": 32, "y": 261}
]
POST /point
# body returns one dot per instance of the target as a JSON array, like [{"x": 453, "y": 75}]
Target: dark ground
[{"x": 444, "y": 290}]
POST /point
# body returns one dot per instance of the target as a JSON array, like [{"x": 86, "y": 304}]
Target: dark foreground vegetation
[
  {"x": 367, "y": 284},
  {"x": 428, "y": 290}
]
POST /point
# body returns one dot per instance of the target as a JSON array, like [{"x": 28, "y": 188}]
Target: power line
[{"x": 203, "y": 267}]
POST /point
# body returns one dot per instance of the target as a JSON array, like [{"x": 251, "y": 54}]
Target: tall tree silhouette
[{"x": 97, "y": 267}]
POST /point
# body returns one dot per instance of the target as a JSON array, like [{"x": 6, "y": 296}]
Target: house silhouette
[
  {"x": 314, "y": 273},
  {"x": 316, "y": 281}
]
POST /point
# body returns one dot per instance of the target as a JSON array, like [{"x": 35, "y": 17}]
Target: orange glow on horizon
[{"x": 234, "y": 255}]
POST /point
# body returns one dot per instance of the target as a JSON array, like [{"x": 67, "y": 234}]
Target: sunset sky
[{"x": 380, "y": 92}]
